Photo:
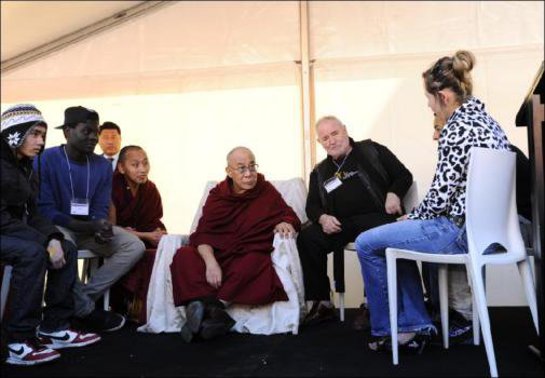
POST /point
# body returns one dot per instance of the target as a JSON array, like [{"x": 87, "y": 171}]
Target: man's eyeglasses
[{"x": 252, "y": 168}]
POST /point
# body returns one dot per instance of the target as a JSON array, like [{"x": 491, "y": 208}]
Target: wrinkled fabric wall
[{"x": 194, "y": 79}]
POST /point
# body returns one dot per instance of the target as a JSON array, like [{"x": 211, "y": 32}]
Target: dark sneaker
[
  {"x": 194, "y": 313},
  {"x": 320, "y": 313},
  {"x": 213, "y": 328},
  {"x": 67, "y": 339},
  {"x": 361, "y": 321},
  {"x": 103, "y": 321},
  {"x": 30, "y": 352},
  {"x": 217, "y": 322},
  {"x": 460, "y": 329},
  {"x": 379, "y": 343},
  {"x": 186, "y": 333},
  {"x": 413, "y": 346}
]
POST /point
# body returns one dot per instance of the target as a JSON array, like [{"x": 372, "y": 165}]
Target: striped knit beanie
[{"x": 17, "y": 122}]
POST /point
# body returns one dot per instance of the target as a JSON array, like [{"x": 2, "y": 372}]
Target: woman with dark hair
[{"x": 437, "y": 224}]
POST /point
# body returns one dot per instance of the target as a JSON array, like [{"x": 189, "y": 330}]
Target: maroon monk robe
[
  {"x": 142, "y": 212},
  {"x": 240, "y": 229}
]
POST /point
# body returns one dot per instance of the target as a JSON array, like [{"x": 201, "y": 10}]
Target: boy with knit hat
[{"x": 32, "y": 245}]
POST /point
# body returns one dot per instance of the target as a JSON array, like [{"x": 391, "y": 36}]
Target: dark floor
[{"x": 332, "y": 349}]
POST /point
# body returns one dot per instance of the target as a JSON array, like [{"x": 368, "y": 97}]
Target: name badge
[
  {"x": 332, "y": 184},
  {"x": 79, "y": 206}
]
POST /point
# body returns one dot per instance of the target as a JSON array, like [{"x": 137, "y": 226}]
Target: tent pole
[
  {"x": 81, "y": 34},
  {"x": 307, "y": 95}
]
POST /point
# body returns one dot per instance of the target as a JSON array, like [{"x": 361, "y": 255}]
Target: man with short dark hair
[
  {"x": 75, "y": 191},
  {"x": 357, "y": 187},
  {"x": 109, "y": 139}
]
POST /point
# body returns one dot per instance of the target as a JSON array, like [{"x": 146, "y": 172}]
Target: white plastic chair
[
  {"x": 491, "y": 217},
  {"x": 87, "y": 270},
  {"x": 409, "y": 202},
  {"x": 90, "y": 264}
]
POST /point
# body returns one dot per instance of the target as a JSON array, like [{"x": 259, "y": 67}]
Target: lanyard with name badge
[
  {"x": 334, "y": 182},
  {"x": 78, "y": 206}
]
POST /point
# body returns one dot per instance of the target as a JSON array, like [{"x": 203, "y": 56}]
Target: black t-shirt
[{"x": 346, "y": 200}]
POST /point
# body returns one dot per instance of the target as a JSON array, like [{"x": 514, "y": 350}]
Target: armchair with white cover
[{"x": 278, "y": 317}]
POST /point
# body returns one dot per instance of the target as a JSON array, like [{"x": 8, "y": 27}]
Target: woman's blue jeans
[{"x": 439, "y": 236}]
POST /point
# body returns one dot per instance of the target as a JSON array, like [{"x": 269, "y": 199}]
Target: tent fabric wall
[
  {"x": 185, "y": 46},
  {"x": 193, "y": 79}
]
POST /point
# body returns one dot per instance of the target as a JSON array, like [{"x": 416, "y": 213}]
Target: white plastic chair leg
[
  {"x": 529, "y": 289},
  {"x": 391, "y": 266},
  {"x": 341, "y": 306},
  {"x": 474, "y": 312},
  {"x": 479, "y": 294},
  {"x": 476, "y": 323},
  {"x": 85, "y": 271},
  {"x": 6, "y": 278},
  {"x": 107, "y": 300},
  {"x": 443, "y": 302}
]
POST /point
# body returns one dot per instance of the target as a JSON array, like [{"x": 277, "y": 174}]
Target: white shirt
[{"x": 113, "y": 159}]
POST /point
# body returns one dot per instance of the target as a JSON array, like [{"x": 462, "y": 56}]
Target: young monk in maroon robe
[
  {"x": 136, "y": 206},
  {"x": 229, "y": 256}
]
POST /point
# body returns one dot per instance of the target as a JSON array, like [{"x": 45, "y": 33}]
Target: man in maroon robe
[
  {"x": 229, "y": 257},
  {"x": 136, "y": 206}
]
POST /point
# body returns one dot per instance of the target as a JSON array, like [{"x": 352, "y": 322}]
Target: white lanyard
[{"x": 70, "y": 174}]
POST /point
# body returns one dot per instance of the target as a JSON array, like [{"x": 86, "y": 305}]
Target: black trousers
[
  {"x": 30, "y": 262},
  {"x": 314, "y": 246}
]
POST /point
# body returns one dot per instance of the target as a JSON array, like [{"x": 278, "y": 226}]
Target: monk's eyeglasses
[{"x": 252, "y": 168}]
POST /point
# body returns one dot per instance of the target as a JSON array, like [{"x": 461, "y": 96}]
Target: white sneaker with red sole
[
  {"x": 67, "y": 338},
  {"x": 30, "y": 352}
]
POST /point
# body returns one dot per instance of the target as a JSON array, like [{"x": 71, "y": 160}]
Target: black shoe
[
  {"x": 102, "y": 321},
  {"x": 361, "y": 322},
  {"x": 194, "y": 313},
  {"x": 380, "y": 344},
  {"x": 460, "y": 329},
  {"x": 414, "y": 346},
  {"x": 218, "y": 323},
  {"x": 186, "y": 333},
  {"x": 320, "y": 313}
]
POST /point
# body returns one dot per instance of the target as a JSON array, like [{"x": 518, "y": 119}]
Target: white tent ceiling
[
  {"x": 29, "y": 24},
  {"x": 181, "y": 46}
]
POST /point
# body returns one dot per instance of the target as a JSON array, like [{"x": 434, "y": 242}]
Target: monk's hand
[
  {"x": 155, "y": 236},
  {"x": 213, "y": 274},
  {"x": 330, "y": 224},
  {"x": 56, "y": 254},
  {"x": 285, "y": 230},
  {"x": 393, "y": 204}
]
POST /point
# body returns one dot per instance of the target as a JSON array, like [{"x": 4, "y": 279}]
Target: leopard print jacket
[{"x": 470, "y": 125}]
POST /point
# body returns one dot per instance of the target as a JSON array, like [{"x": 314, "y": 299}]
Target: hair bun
[{"x": 463, "y": 60}]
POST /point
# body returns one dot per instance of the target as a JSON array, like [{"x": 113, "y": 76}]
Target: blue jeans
[
  {"x": 438, "y": 235},
  {"x": 30, "y": 263}
]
